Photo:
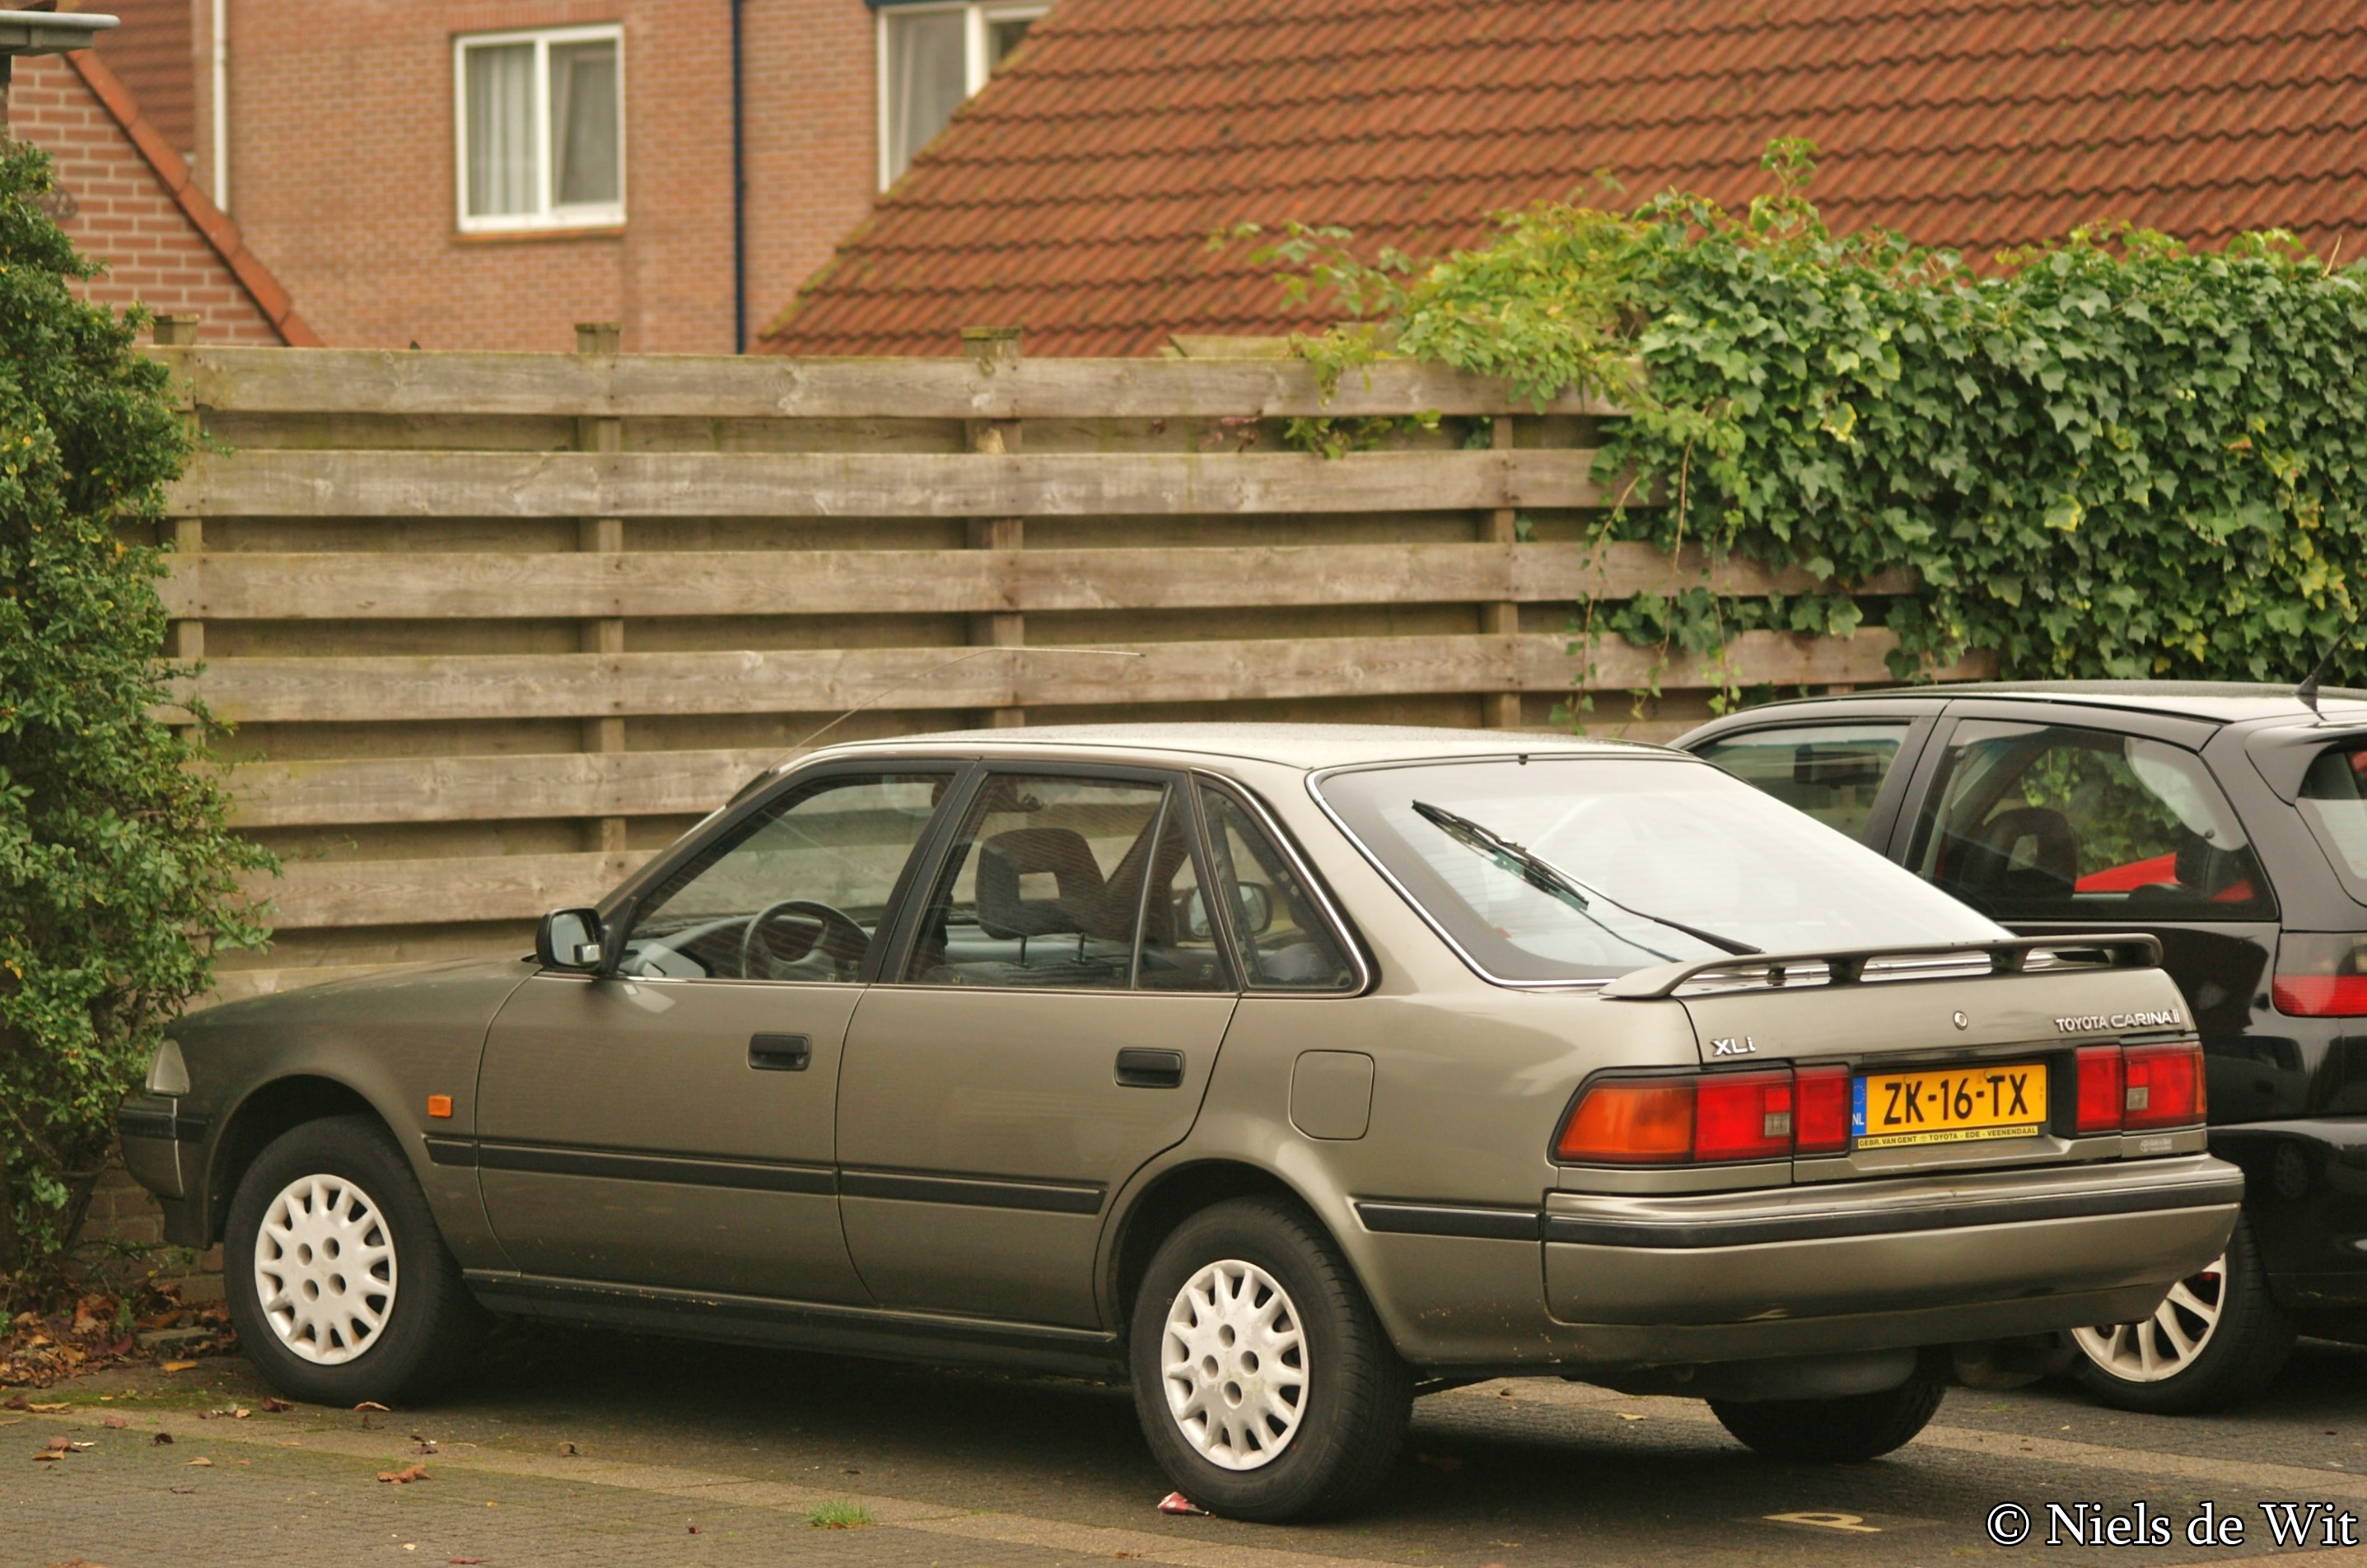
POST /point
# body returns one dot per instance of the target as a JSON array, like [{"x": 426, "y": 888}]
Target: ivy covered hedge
[
  {"x": 115, "y": 870},
  {"x": 2112, "y": 457}
]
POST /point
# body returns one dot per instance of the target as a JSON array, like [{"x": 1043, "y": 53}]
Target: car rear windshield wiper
[{"x": 1550, "y": 879}]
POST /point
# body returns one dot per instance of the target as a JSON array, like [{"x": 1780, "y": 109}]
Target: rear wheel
[
  {"x": 340, "y": 1285},
  {"x": 1263, "y": 1382},
  {"x": 1834, "y": 1431},
  {"x": 2217, "y": 1337}
]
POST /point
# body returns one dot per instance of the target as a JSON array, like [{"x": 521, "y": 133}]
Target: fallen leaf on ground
[
  {"x": 184, "y": 1491},
  {"x": 178, "y": 1367},
  {"x": 51, "y": 1409},
  {"x": 1623, "y": 1415},
  {"x": 567, "y": 1451},
  {"x": 1176, "y": 1503},
  {"x": 50, "y": 1454},
  {"x": 201, "y": 1460},
  {"x": 405, "y": 1476},
  {"x": 464, "y": 1559},
  {"x": 15, "y": 1402},
  {"x": 61, "y": 1444},
  {"x": 115, "y": 1423},
  {"x": 423, "y": 1447},
  {"x": 274, "y": 1406},
  {"x": 161, "y": 1438},
  {"x": 370, "y": 1405}
]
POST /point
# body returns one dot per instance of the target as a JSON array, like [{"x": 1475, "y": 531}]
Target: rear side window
[
  {"x": 2334, "y": 803},
  {"x": 1833, "y": 772},
  {"x": 2031, "y": 821},
  {"x": 1283, "y": 939}
]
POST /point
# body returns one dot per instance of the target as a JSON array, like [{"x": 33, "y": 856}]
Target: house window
[
  {"x": 932, "y": 56},
  {"x": 541, "y": 128}
]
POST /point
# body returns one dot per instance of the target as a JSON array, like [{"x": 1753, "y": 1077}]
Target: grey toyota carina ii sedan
[{"x": 1287, "y": 1071}]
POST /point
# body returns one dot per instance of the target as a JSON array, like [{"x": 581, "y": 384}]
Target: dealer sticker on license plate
[{"x": 1948, "y": 1105}]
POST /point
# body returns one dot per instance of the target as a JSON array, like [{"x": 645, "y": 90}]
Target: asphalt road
[{"x": 600, "y": 1449}]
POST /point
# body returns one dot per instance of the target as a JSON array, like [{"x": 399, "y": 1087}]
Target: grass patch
[{"x": 838, "y": 1514}]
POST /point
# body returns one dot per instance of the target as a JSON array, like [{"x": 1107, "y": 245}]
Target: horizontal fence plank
[
  {"x": 379, "y": 381},
  {"x": 349, "y": 585},
  {"x": 870, "y": 484},
  {"x": 582, "y": 685},
  {"x": 313, "y": 895},
  {"x": 476, "y": 789}
]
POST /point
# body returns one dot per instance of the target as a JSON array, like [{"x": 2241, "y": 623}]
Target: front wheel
[
  {"x": 340, "y": 1286},
  {"x": 1843, "y": 1430},
  {"x": 1263, "y": 1382},
  {"x": 2216, "y": 1337}
]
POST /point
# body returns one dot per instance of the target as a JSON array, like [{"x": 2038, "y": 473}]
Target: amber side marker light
[{"x": 439, "y": 1105}]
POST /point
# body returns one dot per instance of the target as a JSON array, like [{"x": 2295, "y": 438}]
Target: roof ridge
[{"x": 213, "y": 224}]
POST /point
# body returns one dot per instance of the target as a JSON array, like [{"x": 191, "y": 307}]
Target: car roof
[
  {"x": 2219, "y": 702},
  {"x": 1308, "y": 746}
]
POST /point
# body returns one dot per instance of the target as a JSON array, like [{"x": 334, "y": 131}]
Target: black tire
[
  {"x": 2244, "y": 1352},
  {"x": 1357, "y": 1393},
  {"x": 430, "y": 1325},
  {"x": 1846, "y": 1430}
]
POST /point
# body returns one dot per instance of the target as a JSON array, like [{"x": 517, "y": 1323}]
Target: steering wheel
[{"x": 838, "y": 935}]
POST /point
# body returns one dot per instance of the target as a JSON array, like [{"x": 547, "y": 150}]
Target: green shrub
[{"x": 115, "y": 870}]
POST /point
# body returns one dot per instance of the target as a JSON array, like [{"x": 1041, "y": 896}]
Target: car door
[
  {"x": 1847, "y": 769},
  {"x": 670, "y": 1121},
  {"x": 2053, "y": 820},
  {"x": 1053, "y": 1018}
]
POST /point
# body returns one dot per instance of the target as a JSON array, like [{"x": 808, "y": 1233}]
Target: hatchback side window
[
  {"x": 1281, "y": 933},
  {"x": 2049, "y": 822},
  {"x": 1048, "y": 885},
  {"x": 797, "y": 893},
  {"x": 1833, "y": 772}
]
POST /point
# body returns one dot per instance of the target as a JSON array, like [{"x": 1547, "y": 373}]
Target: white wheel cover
[
  {"x": 1234, "y": 1363},
  {"x": 324, "y": 1270},
  {"x": 2166, "y": 1344}
]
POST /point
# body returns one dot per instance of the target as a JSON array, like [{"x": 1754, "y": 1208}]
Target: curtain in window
[
  {"x": 501, "y": 130},
  {"x": 927, "y": 79},
  {"x": 585, "y": 129}
]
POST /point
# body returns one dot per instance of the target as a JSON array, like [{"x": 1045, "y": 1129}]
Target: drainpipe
[
  {"x": 739, "y": 197},
  {"x": 220, "y": 25}
]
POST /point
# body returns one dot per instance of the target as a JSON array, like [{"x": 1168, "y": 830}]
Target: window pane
[
  {"x": 926, "y": 79},
  {"x": 1002, "y": 36},
  {"x": 2334, "y": 803},
  {"x": 585, "y": 130},
  {"x": 500, "y": 131},
  {"x": 1830, "y": 772},
  {"x": 2047, "y": 823},
  {"x": 1179, "y": 950},
  {"x": 1282, "y": 938},
  {"x": 798, "y": 894},
  {"x": 1043, "y": 887}
]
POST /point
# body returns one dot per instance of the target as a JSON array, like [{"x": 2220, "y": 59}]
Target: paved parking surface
[{"x": 690, "y": 1454}]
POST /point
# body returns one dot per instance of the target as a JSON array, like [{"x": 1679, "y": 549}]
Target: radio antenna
[
  {"x": 2307, "y": 691},
  {"x": 963, "y": 657}
]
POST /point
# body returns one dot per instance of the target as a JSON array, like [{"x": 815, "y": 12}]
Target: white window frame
[
  {"x": 976, "y": 68},
  {"x": 599, "y": 215}
]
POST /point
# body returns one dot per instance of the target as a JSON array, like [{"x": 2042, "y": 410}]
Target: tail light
[
  {"x": 2141, "y": 1088},
  {"x": 1708, "y": 1117},
  {"x": 2318, "y": 976}
]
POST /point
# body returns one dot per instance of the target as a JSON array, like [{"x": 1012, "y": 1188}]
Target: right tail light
[
  {"x": 2139, "y": 1088},
  {"x": 2318, "y": 976}
]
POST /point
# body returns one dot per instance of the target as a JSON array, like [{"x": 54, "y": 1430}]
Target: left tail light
[{"x": 1708, "y": 1118}]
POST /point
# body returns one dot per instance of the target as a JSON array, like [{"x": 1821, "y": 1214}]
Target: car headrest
[
  {"x": 2055, "y": 846},
  {"x": 1062, "y": 852}
]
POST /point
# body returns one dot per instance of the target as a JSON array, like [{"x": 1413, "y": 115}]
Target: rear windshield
[
  {"x": 2334, "y": 803},
  {"x": 1646, "y": 840}
]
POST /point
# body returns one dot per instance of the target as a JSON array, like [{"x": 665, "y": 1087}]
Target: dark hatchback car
[{"x": 2231, "y": 822}]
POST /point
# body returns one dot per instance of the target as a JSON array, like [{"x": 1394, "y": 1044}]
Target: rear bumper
[{"x": 1999, "y": 1253}]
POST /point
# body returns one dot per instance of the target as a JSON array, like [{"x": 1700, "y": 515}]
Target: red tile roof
[{"x": 1075, "y": 193}]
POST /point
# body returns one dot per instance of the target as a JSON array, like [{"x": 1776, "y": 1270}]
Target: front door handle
[
  {"x": 1141, "y": 1069},
  {"x": 780, "y": 1053}
]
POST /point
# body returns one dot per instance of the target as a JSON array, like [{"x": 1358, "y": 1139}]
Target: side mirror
[
  {"x": 1191, "y": 919},
  {"x": 569, "y": 939},
  {"x": 1257, "y": 908}
]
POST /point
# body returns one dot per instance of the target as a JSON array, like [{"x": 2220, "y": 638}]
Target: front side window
[
  {"x": 2031, "y": 821},
  {"x": 1069, "y": 883},
  {"x": 1833, "y": 772},
  {"x": 541, "y": 128},
  {"x": 932, "y": 56},
  {"x": 798, "y": 892},
  {"x": 1653, "y": 860}
]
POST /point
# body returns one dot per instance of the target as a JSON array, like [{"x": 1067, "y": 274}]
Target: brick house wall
[
  {"x": 342, "y": 168},
  {"x": 125, "y": 197}
]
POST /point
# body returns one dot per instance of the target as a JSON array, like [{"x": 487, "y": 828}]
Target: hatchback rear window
[
  {"x": 1660, "y": 859},
  {"x": 2334, "y": 803}
]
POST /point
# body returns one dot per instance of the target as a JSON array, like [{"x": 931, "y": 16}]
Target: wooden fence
[{"x": 494, "y": 627}]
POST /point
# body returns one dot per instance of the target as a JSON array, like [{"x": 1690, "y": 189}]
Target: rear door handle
[
  {"x": 780, "y": 1053},
  {"x": 1141, "y": 1069}
]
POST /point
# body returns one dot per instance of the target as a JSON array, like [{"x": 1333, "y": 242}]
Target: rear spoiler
[{"x": 1849, "y": 966}]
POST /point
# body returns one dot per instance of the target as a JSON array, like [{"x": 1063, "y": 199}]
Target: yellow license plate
[{"x": 1948, "y": 1105}]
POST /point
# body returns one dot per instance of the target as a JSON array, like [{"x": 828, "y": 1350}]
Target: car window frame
[
  {"x": 912, "y": 894},
  {"x": 622, "y": 906},
  {"x": 1327, "y": 908},
  {"x": 1889, "y": 799}
]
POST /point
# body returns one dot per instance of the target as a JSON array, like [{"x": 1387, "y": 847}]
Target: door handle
[
  {"x": 1141, "y": 1069},
  {"x": 779, "y": 1053}
]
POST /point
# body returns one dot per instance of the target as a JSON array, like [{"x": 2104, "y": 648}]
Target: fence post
[
  {"x": 991, "y": 348},
  {"x": 189, "y": 533},
  {"x": 606, "y": 635},
  {"x": 1500, "y": 710}
]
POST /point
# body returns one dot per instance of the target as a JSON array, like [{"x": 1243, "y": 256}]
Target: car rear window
[
  {"x": 1833, "y": 772},
  {"x": 1649, "y": 839},
  {"x": 2334, "y": 803}
]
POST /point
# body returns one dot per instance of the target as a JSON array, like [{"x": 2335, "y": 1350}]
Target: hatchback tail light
[
  {"x": 2318, "y": 976},
  {"x": 2141, "y": 1088},
  {"x": 1709, "y": 1118}
]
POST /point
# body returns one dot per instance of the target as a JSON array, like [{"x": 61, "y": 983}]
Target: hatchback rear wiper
[{"x": 1550, "y": 879}]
